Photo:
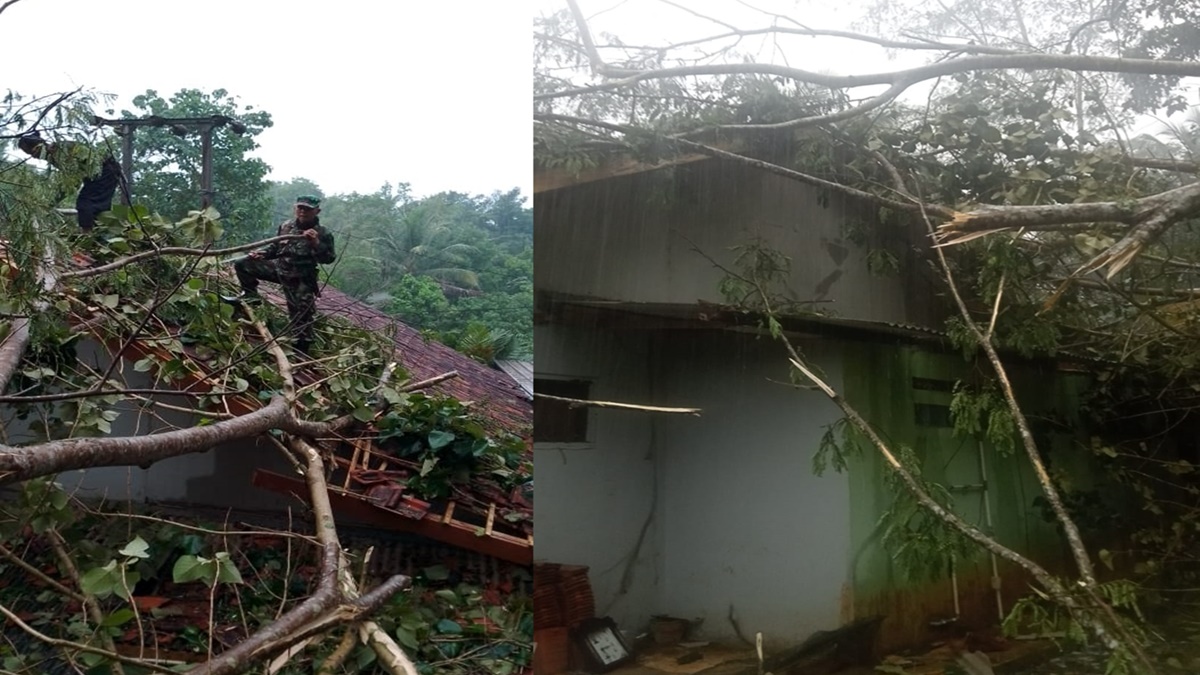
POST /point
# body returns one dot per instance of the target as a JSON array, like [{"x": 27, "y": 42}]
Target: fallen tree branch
[
  {"x": 40, "y": 575},
  {"x": 1079, "y": 552},
  {"x": 431, "y": 382},
  {"x": 69, "y": 645},
  {"x": 820, "y": 32},
  {"x": 12, "y": 349},
  {"x": 72, "y": 395},
  {"x": 578, "y": 403},
  {"x": 172, "y": 250},
  {"x": 1021, "y": 61},
  {"x": 24, "y": 463}
]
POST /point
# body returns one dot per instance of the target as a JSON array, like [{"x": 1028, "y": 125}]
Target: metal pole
[
  {"x": 126, "y": 133},
  {"x": 206, "y": 191}
]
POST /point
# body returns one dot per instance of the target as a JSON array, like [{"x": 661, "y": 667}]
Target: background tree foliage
[
  {"x": 166, "y": 169},
  {"x": 458, "y": 267},
  {"x": 476, "y": 250}
]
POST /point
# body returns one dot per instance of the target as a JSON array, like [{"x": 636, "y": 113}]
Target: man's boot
[{"x": 243, "y": 298}]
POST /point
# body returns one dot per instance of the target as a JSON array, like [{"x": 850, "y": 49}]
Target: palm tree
[{"x": 422, "y": 242}]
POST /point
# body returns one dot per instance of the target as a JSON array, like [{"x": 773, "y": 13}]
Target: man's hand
[
  {"x": 311, "y": 235},
  {"x": 254, "y": 255}
]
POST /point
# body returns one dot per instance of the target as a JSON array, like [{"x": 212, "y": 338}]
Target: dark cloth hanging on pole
[{"x": 98, "y": 189}]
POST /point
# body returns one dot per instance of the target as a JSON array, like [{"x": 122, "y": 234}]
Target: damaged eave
[
  {"x": 599, "y": 313},
  {"x": 596, "y": 313},
  {"x": 442, "y": 527},
  {"x": 555, "y": 178}
]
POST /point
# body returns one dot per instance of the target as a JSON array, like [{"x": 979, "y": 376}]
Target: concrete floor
[
  {"x": 731, "y": 660},
  {"x": 716, "y": 660}
]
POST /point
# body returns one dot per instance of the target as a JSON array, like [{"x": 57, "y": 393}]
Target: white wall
[
  {"x": 739, "y": 517},
  {"x": 634, "y": 238},
  {"x": 593, "y": 501},
  {"x": 219, "y": 477},
  {"x": 746, "y": 522}
]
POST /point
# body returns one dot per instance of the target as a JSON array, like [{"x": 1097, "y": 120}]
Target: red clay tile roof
[{"x": 495, "y": 394}]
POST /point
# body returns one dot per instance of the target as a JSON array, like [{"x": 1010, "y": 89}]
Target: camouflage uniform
[{"x": 293, "y": 265}]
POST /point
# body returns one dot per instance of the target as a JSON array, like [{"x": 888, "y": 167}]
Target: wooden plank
[
  {"x": 449, "y": 514},
  {"x": 358, "y": 448},
  {"x": 490, "y": 519},
  {"x": 455, "y": 533}
]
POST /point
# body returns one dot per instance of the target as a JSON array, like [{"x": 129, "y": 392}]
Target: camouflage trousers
[{"x": 301, "y": 293}]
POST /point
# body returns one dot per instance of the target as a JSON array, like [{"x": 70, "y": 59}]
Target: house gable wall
[{"x": 645, "y": 238}]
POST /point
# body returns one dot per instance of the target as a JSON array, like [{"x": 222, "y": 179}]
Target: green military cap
[{"x": 309, "y": 201}]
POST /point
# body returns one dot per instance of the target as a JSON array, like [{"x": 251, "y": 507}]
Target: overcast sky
[{"x": 435, "y": 93}]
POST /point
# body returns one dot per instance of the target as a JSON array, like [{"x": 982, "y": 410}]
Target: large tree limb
[
  {"x": 327, "y": 604},
  {"x": 1150, "y": 217},
  {"x": 24, "y": 463},
  {"x": 803, "y": 31},
  {"x": 1071, "y": 62},
  {"x": 1109, "y": 630},
  {"x": 12, "y": 349}
]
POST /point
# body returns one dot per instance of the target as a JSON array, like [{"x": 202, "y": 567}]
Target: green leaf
[
  {"x": 439, "y": 439},
  {"x": 226, "y": 570},
  {"x": 190, "y": 568},
  {"x": 773, "y": 326},
  {"x": 138, "y": 548},
  {"x": 364, "y": 414},
  {"x": 118, "y": 618},
  {"x": 364, "y": 657},
  {"x": 407, "y": 638},
  {"x": 449, "y": 627},
  {"x": 99, "y": 581},
  {"x": 428, "y": 465},
  {"x": 447, "y": 595},
  {"x": 123, "y": 588}
]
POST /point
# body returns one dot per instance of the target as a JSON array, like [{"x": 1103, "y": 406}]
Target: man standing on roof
[
  {"x": 293, "y": 265},
  {"x": 77, "y": 159}
]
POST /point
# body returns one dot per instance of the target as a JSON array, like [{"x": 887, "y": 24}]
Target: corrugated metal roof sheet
[{"x": 521, "y": 372}]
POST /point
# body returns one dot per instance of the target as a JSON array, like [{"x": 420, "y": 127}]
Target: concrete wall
[
  {"x": 746, "y": 522},
  {"x": 739, "y": 517},
  {"x": 594, "y": 500},
  {"x": 635, "y": 238}
]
